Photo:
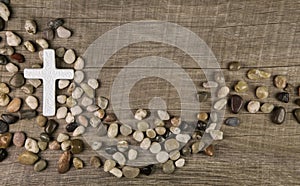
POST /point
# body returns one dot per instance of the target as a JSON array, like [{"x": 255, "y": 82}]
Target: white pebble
[
  {"x": 140, "y": 114},
  {"x": 112, "y": 131},
  {"x": 31, "y": 145},
  {"x": 65, "y": 145},
  {"x": 119, "y": 157},
  {"x": 79, "y": 131},
  {"x": 62, "y": 32},
  {"x": 12, "y": 68},
  {"x": 12, "y": 39},
  {"x": 138, "y": 136},
  {"x": 180, "y": 163},
  {"x": 78, "y": 76},
  {"x": 7, "y": 50},
  {"x": 30, "y": 27},
  {"x": 155, "y": 148},
  {"x": 96, "y": 145},
  {"x": 216, "y": 134},
  {"x": 35, "y": 82},
  {"x": 61, "y": 99},
  {"x": 29, "y": 46},
  {"x": 95, "y": 121},
  {"x": 145, "y": 144},
  {"x": 4, "y": 11},
  {"x": 132, "y": 154},
  {"x": 183, "y": 138},
  {"x": 62, "y": 137},
  {"x": 210, "y": 84},
  {"x": 83, "y": 120},
  {"x": 162, "y": 156},
  {"x": 32, "y": 102},
  {"x": 76, "y": 110},
  {"x": 163, "y": 115},
  {"x": 92, "y": 108},
  {"x": 116, "y": 172},
  {"x": 61, "y": 112},
  {"x": 77, "y": 93},
  {"x": 253, "y": 106},
  {"x": 86, "y": 101},
  {"x": 142, "y": 126},
  {"x": 93, "y": 83},
  {"x": 70, "y": 118},
  {"x": 220, "y": 104},
  {"x": 42, "y": 42},
  {"x": 223, "y": 92},
  {"x": 79, "y": 63},
  {"x": 69, "y": 56},
  {"x": 63, "y": 83},
  {"x": 102, "y": 102}
]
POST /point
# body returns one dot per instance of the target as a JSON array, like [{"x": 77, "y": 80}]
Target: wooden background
[{"x": 258, "y": 33}]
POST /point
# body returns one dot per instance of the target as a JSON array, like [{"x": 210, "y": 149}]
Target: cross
[{"x": 49, "y": 74}]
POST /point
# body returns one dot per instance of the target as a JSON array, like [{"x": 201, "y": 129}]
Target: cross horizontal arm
[{"x": 33, "y": 73}]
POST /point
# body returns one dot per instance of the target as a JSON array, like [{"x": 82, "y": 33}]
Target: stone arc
[{"x": 49, "y": 74}]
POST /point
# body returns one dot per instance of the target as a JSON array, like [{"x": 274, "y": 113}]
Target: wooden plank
[{"x": 260, "y": 34}]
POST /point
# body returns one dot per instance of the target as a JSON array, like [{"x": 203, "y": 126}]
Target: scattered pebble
[
  {"x": 42, "y": 145},
  {"x": 63, "y": 83},
  {"x": 283, "y": 96},
  {"x": 65, "y": 145},
  {"x": 296, "y": 113},
  {"x": 27, "y": 89},
  {"x": 79, "y": 65},
  {"x": 27, "y": 158},
  {"x": 253, "y": 106},
  {"x": 31, "y": 145},
  {"x": 119, "y": 158},
  {"x": 262, "y": 92},
  {"x": 145, "y": 144},
  {"x": 48, "y": 34},
  {"x": 125, "y": 130},
  {"x": 17, "y": 80},
  {"x": 132, "y": 154},
  {"x": 61, "y": 99},
  {"x": 102, "y": 102},
  {"x": 113, "y": 130},
  {"x": 69, "y": 56},
  {"x": 163, "y": 115},
  {"x": 61, "y": 112},
  {"x": 51, "y": 126},
  {"x": 171, "y": 144},
  {"x": 210, "y": 84},
  {"x": 3, "y": 60},
  {"x": 40, "y": 166},
  {"x": 280, "y": 81},
  {"x": 83, "y": 120},
  {"x": 54, "y": 145},
  {"x": 130, "y": 172},
  {"x": 162, "y": 156},
  {"x": 4, "y": 99},
  {"x": 5, "y": 140},
  {"x": 4, "y": 88},
  {"x": 32, "y": 102},
  {"x": 109, "y": 165},
  {"x": 256, "y": 74},
  {"x": 218, "y": 77},
  {"x": 202, "y": 96},
  {"x": 220, "y": 104},
  {"x": 197, "y": 147},
  {"x": 62, "y": 32},
  {"x": 11, "y": 38},
  {"x": 278, "y": 115},
  {"x": 7, "y": 50},
  {"x": 232, "y": 121},
  {"x": 209, "y": 151},
  {"x": 4, "y": 11},
  {"x": 96, "y": 145},
  {"x": 180, "y": 163},
  {"x": 241, "y": 87},
  {"x": 95, "y": 162},
  {"x": 12, "y": 68},
  {"x": 116, "y": 172},
  {"x": 223, "y": 92},
  {"x": 202, "y": 116},
  {"x": 3, "y": 127},
  {"x": 45, "y": 137},
  {"x": 19, "y": 139},
  {"x": 78, "y": 163},
  {"x": 267, "y": 107},
  {"x": 71, "y": 127},
  {"x": 60, "y": 52},
  {"x": 142, "y": 126},
  {"x": 76, "y": 146},
  {"x": 168, "y": 167},
  {"x": 54, "y": 24},
  {"x": 42, "y": 43},
  {"x": 234, "y": 66},
  {"x": 41, "y": 120},
  {"x": 9, "y": 118},
  {"x": 64, "y": 162},
  {"x": 76, "y": 110},
  {"x": 3, "y": 154},
  {"x": 138, "y": 136},
  {"x": 140, "y": 114},
  {"x": 62, "y": 137},
  {"x": 79, "y": 131},
  {"x": 30, "y": 27},
  {"x": 35, "y": 82},
  {"x": 146, "y": 170}
]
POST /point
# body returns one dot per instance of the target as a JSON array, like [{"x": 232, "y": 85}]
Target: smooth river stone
[
  {"x": 232, "y": 121},
  {"x": 202, "y": 96},
  {"x": 64, "y": 162},
  {"x": 9, "y": 118},
  {"x": 278, "y": 115},
  {"x": 236, "y": 103},
  {"x": 262, "y": 92},
  {"x": 241, "y": 86},
  {"x": 234, "y": 66},
  {"x": 280, "y": 81},
  {"x": 283, "y": 96},
  {"x": 296, "y": 114},
  {"x": 253, "y": 106},
  {"x": 27, "y": 158},
  {"x": 267, "y": 107},
  {"x": 256, "y": 74},
  {"x": 219, "y": 105}
]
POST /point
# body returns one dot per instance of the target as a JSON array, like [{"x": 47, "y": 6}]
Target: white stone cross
[{"x": 49, "y": 74}]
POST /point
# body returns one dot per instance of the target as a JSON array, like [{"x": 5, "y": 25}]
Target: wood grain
[{"x": 258, "y": 33}]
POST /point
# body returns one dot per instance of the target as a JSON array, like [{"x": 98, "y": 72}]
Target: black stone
[
  {"x": 71, "y": 127},
  {"x": 9, "y": 118},
  {"x": 45, "y": 137},
  {"x": 232, "y": 121},
  {"x": 168, "y": 134},
  {"x": 202, "y": 96},
  {"x": 3, "y": 154},
  {"x": 236, "y": 103},
  {"x": 278, "y": 115},
  {"x": 201, "y": 125},
  {"x": 186, "y": 151},
  {"x": 27, "y": 114},
  {"x": 51, "y": 126},
  {"x": 3, "y": 127},
  {"x": 159, "y": 139},
  {"x": 54, "y": 24},
  {"x": 111, "y": 149},
  {"x": 2, "y": 24},
  {"x": 3, "y": 60},
  {"x": 147, "y": 170},
  {"x": 283, "y": 96}
]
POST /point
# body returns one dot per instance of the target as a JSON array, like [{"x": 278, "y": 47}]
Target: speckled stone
[
  {"x": 78, "y": 163},
  {"x": 40, "y": 166},
  {"x": 76, "y": 146},
  {"x": 256, "y": 74},
  {"x": 41, "y": 120},
  {"x": 280, "y": 81},
  {"x": 253, "y": 106},
  {"x": 64, "y": 162},
  {"x": 19, "y": 139},
  {"x": 95, "y": 161},
  {"x": 168, "y": 167},
  {"x": 5, "y": 140},
  {"x": 241, "y": 87},
  {"x": 27, "y": 158},
  {"x": 267, "y": 107}
]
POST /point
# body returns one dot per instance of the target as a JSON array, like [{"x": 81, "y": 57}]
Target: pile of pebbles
[{"x": 168, "y": 140}]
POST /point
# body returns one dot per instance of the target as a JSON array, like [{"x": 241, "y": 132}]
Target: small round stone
[
  {"x": 78, "y": 76},
  {"x": 113, "y": 130},
  {"x": 119, "y": 158},
  {"x": 96, "y": 145},
  {"x": 253, "y": 106},
  {"x": 14, "y": 105},
  {"x": 183, "y": 138},
  {"x": 71, "y": 127},
  {"x": 202, "y": 116},
  {"x": 171, "y": 144},
  {"x": 60, "y": 52},
  {"x": 12, "y": 68},
  {"x": 43, "y": 145},
  {"x": 174, "y": 155},
  {"x": 162, "y": 156},
  {"x": 145, "y": 144},
  {"x": 63, "y": 83},
  {"x": 19, "y": 139},
  {"x": 45, "y": 137},
  {"x": 280, "y": 81},
  {"x": 236, "y": 103},
  {"x": 109, "y": 165},
  {"x": 17, "y": 58},
  {"x": 31, "y": 145},
  {"x": 76, "y": 146},
  {"x": 3, "y": 127},
  {"x": 168, "y": 167},
  {"x": 138, "y": 136},
  {"x": 176, "y": 121},
  {"x": 160, "y": 130},
  {"x": 71, "y": 102},
  {"x": 4, "y": 88},
  {"x": 76, "y": 110},
  {"x": 283, "y": 96},
  {"x": 5, "y": 140},
  {"x": 142, "y": 126},
  {"x": 93, "y": 83},
  {"x": 99, "y": 113},
  {"x": 146, "y": 170},
  {"x": 262, "y": 92},
  {"x": 267, "y": 107},
  {"x": 12, "y": 39},
  {"x": 3, "y": 154},
  {"x": 278, "y": 115},
  {"x": 220, "y": 104},
  {"x": 234, "y": 66},
  {"x": 79, "y": 64},
  {"x": 27, "y": 158},
  {"x": 256, "y": 74},
  {"x": 40, "y": 165},
  {"x": 180, "y": 163},
  {"x": 4, "y": 99},
  {"x": 42, "y": 43},
  {"x": 69, "y": 118},
  {"x": 122, "y": 146},
  {"x": 83, "y": 120},
  {"x": 78, "y": 163},
  {"x": 95, "y": 161},
  {"x": 130, "y": 172},
  {"x": 132, "y": 154},
  {"x": 17, "y": 80},
  {"x": 30, "y": 27},
  {"x": 140, "y": 114},
  {"x": 61, "y": 99},
  {"x": 51, "y": 126},
  {"x": 241, "y": 87},
  {"x": 62, "y": 32},
  {"x": 61, "y": 112},
  {"x": 116, "y": 172},
  {"x": 223, "y": 92},
  {"x": 62, "y": 137},
  {"x": 159, "y": 123},
  {"x": 232, "y": 121},
  {"x": 150, "y": 133},
  {"x": 32, "y": 102},
  {"x": 79, "y": 131},
  {"x": 102, "y": 102},
  {"x": 125, "y": 130},
  {"x": 77, "y": 93},
  {"x": 163, "y": 115},
  {"x": 29, "y": 46},
  {"x": 155, "y": 148},
  {"x": 197, "y": 147},
  {"x": 41, "y": 120},
  {"x": 69, "y": 56},
  {"x": 209, "y": 150},
  {"x": 65, "y": 145}
]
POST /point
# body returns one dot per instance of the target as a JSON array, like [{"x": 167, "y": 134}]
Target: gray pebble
[
  {"x": 62, "y": 32},
  {"x": 76, "y": 110},
  {"x": 17, "y": 80},
  {"x": 69, "y": 56},
  {"x": 40, "y": 165}
]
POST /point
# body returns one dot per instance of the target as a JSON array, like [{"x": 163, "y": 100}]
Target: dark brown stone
[{"x": 236, "y": 103}]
